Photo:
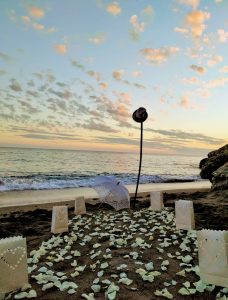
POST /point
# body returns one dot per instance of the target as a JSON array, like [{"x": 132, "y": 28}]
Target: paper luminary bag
[
  {"x": 184, "y": 214},
  {"x": 80, "y": 207},
  {"x": 156, "y": 201},
  {"x": 59, "y": 222},
  {"x": 213, "y": 256},
  {"x": 13, "y": 264}
]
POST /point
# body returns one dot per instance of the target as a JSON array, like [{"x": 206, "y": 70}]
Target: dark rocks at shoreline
[
  {"x": 220, "y": 178},
  {"x": 215, "y": 168}
]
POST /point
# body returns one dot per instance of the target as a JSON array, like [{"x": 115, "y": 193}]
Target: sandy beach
[{"x": 34, "y": 199}]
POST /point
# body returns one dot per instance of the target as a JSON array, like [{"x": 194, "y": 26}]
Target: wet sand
[{"x": 45, "y": 199}]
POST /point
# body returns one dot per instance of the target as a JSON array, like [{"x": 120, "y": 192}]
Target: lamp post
[{"x": 139, "y": 116}]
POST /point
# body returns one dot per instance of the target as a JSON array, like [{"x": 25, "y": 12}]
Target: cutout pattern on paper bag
[
  {"x": 13, "y": 264},
  {"x": 59, "y": 219},
  {"x": 184, "y": 214},
  {"x": 156, "y": 201},
  {"x": 80, "y": 207}
]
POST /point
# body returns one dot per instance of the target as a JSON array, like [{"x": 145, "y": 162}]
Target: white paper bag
[
  {"x": 184, "y": 215},
  {"x": 213, "y": 256},
  {"x": 156, "y": 201},
  {"x": 80, "y": 207},
  {"x": 59, "y": 222},
  {"x": 13, "y": 264}
]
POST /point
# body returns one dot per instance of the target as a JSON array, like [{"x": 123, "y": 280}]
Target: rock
[
  {"x": 220, "y": 178},
  {"x": 215, "y": 160}
]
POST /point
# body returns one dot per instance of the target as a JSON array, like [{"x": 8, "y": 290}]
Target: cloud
[
  {"x": 195, "y": 21},
  {"x": 25, "y": 19},
  {"x": 193, "y": 3},
  {"x": 91, "y": 125},
  {"x": 139, "y": 86},
  {"x": 36, "y": 12},
  {"x": 136, "y": 73},
  {"x": 77, "y": 65},
  {"x": 137, "y": 27},
  {"x": 39, "y": 133},
  {"x": 66, "y": 94},
  {"x": 184, "y": 102},
  {"x": 27, "y": 107},
  {"x": 198, "y": 69},
  {"x": 103, "y": 85},
  {"x": 97, "y": 39},
  {"x": 183, "y": 135},
  {"x": 61, "y": 49},
  {"x": 219, "y": 82},
  {"x": 191, "y": 80},
  {"x": 2, "y": 72},
  {"x": 204, "y": 93},
  {"x": 5, "y": 57},
  {"x": 224, "y": 69},
  {"x": 94, "y": 74},
  {"x": 214, "y": 60},
  {"x": 37, "y": 26},
  {"x": 50, "y": 137},
  {"x": 158, "y": 55},
  {"x": 15, "y": 86},
  {"x": 113, "y": 8},
  {"x": 222, "y": 35},
  {"x": 34, "y": 94},
  {"x": 181, "y": 30},
  {"x": 117, "y": 74},
  {"x": 118, "y": 110},
  {"x": 148, "y": 10}
]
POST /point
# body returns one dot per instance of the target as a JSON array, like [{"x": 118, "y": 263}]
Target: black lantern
[{"x": 139, "y": 116}]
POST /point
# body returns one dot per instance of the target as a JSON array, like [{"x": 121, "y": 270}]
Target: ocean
[{"x": 25, "y": 169}]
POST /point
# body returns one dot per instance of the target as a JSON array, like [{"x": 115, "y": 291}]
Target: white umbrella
[{"x": 112, "y": 192}]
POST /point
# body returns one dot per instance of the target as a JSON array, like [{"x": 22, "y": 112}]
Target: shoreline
[{"x": 45, "y": 199}]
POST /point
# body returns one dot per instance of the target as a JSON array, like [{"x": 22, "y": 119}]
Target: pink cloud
[
  {"x": 61, "y": 48},
  {"x": 36, "y": 12},
  {"x": 113, "y": 8},
  {"x": 195, "y": 21},
  {"x": 214, "y": 60},
  {"x": 158, "y": 55}
]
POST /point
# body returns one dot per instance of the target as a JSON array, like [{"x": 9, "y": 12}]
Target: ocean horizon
[{"x": 37, "y": 169}]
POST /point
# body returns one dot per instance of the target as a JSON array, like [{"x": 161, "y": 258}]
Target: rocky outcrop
[
  {"x": 220, "y": 178},
  {"x": 215, "y": 160}
]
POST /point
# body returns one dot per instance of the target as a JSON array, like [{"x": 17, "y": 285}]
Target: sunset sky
[{"x": 72, "y": 72}]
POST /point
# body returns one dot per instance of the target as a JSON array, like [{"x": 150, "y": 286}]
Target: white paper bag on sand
[
  {"x": 59, "y": 222},
  {"x": 213, "y": 256},
  {"x": 156, "y": 201},
  {"x": 184, "y": 215},
  {"x": 13, "y": 264},
  {"x": 80, "y": 207}
]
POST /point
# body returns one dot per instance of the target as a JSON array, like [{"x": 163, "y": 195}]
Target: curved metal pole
[{"x": 140, "y": 163}]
